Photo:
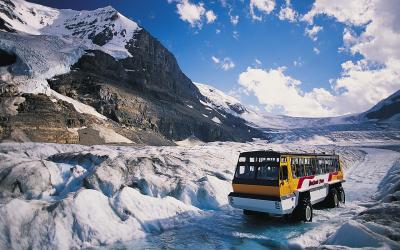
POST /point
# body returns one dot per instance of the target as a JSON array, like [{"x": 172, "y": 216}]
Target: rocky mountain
[
  {"x": 67, "y": 76},
  {"x": 386, "y": 110}
]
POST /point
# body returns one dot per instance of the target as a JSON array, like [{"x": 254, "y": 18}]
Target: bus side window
[
  {"x": 313, "y": 166},
  {"x": 293, "y": 165},
  {"x": 300, "y": 168},
  {"x": 307, "y": 166},
  {"x": 320, "y": 166}
]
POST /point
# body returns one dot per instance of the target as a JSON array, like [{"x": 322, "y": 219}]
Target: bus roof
[{"x": 271, "y": 153}]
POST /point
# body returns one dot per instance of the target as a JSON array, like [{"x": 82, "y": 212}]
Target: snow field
[{"x": 99, "y": 195}]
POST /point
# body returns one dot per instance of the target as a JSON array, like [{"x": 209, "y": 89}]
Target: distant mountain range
[{"x": 95, "y": 77}]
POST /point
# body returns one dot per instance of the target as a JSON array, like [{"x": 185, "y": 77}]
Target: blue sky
[{"x": 264, "y": 50}]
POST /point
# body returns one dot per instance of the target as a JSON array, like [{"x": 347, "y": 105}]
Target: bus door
[{"x": 284, "y": 187}]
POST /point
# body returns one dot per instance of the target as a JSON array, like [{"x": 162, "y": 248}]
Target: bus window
[
  {"x": 314, "y": 169},
  {"x": 300, "y": 168},
  {"x": 336, "y": 165},
  {"x": 242, "y": 159},
  {"x": 307, "y": 166},
  {"x": 294, "y": 166},
  {"x": 283, "y": 159},
  {"x": 268, "y": 173},
  {"x": 321, "y": 166},
  {"x": 245, "y": 172}
]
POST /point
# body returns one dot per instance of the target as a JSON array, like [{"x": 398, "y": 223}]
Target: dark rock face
[
  {"x": 42, "y": 120},
  {"x": 156, "y": 68},
  {"x": 148, "y": 91},
  {"x": 103, "y": 37},
  {"x": 390, "y": 107}
]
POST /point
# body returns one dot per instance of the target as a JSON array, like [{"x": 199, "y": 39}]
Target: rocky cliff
[{"x": 73, "y": 70}]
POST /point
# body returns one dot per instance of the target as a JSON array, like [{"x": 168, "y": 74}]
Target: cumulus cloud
[
  {"x": 312, "y": 32},
  {"x": 316, "y": 50},
  {"x": 225, "y": 63},
  {"x": 365, "y": 82},
  {"x": 211, "y": 17},
  {"x": 194, "y": 14},
  {"x": 262, "y": 6},
  {"x": 288, "y": 13},
  {"x": 279, "y": 92}
]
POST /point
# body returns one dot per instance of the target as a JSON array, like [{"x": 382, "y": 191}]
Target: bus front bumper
[{"x": 265, "y": 204}]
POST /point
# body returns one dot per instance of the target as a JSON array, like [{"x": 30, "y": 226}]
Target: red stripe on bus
[{"x": 302, "y": 180}]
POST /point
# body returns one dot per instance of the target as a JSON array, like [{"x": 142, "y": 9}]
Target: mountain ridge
[{"x": 77, "y": 59}]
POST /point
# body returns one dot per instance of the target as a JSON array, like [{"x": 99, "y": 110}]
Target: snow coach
[{"x": 283, "y": 183}]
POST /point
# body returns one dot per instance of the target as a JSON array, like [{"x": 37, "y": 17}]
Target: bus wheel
[
  {"x": 342, "y": 195},
  {"x": 248, "y": 212},
  {"x": 304, "y": 211},
  {"x": 333, "y": 198}
]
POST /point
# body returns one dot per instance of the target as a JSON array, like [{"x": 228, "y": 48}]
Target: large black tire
[
  {"x": 342, "y": 195},
  {"x": 304, "y": 211},
  {"x": 249, "y": 212},
  {"x": 332, "y": 200}
]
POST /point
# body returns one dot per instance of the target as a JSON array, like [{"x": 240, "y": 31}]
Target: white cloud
[
  {"x": 287, "y": 13},
  {"x": 316, "y": 50},
  {"x": 194, "y": 14},
  {"x": 234, "y": 19},
  {"x": 258, "y": 62},
  {"x": 191, "y": 13},
  {"x": 225, "y": 63},
  {"x": 279, "y": 92},
  {"x": 263, "y": 6},
  {"x": 351, "y": 12},
  {"x": 217, "y": 31},
  {"x": 215, "y": 59},
  {"x": 365, "y": 82},
  {"x": 298, "y": 62},
  {"x": 211, "y": 17},
  {"x": 312, "y": 33},
  {"x": 235, "y": 34}
]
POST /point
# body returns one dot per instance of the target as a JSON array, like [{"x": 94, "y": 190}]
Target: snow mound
[
  {"x": 109, "y": 135},
  {"x": 355, "y": 235}
]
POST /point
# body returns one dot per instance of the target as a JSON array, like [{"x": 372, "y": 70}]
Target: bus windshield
[{"x": 268, "y": 172}]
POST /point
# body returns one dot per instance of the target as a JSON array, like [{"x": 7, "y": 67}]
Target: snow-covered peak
[
  {"x": 104, "y": 28},
  {"x": 26, "y": 17},
  {"x": 219, "y": 100},
  {"x": 388, "y": 109}
]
